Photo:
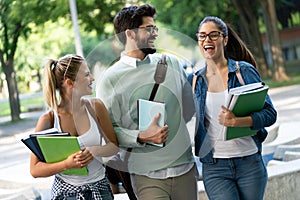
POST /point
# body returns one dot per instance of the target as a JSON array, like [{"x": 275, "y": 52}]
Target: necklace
[{"x": 211, "y": 73}]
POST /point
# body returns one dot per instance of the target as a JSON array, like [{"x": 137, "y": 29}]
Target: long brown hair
[{"x": 235, "y": 48}]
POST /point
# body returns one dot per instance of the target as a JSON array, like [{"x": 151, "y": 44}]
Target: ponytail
[
  {"x": 54, "y": 75},
  {"x": 237, "y": 49},
  {"x": 50, "y": 86}
]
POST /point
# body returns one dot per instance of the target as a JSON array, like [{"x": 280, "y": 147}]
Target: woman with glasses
[
  {"x": 70, "y": 78},
  {"x": 231, "y": 169}
]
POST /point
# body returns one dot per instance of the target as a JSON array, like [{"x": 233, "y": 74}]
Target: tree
[
  {"x": 243, "y": 15},
  {"x": 96, "y": 15},
  {"x": 268, "y": 7},
  {"x": 16, "y": 16},
  {"x": 284, "y": 10},
  {"x": 248, "y": 15}
]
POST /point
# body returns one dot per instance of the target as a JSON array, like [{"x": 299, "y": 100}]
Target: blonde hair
[{"x": 56, "y": 71}]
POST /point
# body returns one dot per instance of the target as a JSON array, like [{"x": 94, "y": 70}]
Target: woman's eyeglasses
[
  {"x": 214, "y": 35},
  {"x": 150, "y": 29}
]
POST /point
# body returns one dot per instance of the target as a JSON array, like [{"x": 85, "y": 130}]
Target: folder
[
  {"x": 242, "y": 101},
  {"x": 31, "y": 142},
  {"x": 58, "y": 148},
  {"x": 52, "y": 146}
]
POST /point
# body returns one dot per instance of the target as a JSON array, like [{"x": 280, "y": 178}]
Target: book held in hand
[
  {"x": 242, "y": 101},
  {"x": 147, "y": 110},
  {"x": 52, "y": 146},
  {"x": 31, "y": 142},
  {"x": 58, "y": 148}
]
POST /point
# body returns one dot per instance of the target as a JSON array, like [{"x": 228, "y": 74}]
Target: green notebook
[
  {"x": 242, "y": 103},
  {"x": 58, "y": 148}
]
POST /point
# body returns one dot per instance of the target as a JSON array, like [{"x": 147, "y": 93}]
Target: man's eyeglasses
[
  {"x": 150, "y": 29},
  {"x": 214, "y": 35}
]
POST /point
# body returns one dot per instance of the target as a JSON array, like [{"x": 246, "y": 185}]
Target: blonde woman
[{"x": 70, "y": 78}]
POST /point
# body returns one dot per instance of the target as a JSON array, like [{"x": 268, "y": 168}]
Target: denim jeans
[{"x": 241, "y": 178}]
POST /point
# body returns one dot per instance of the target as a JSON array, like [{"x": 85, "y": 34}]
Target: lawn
[
  {"x": 35, "y": 101},
  {"x": 25, "y": 104}
]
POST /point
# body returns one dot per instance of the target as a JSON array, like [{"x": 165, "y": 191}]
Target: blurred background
[{"x": 33, "y": 30}]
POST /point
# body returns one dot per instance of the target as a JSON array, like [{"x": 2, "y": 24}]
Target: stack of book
[
  {"x": 242, "y": 101},
  {"x": 51, "y": 146}
]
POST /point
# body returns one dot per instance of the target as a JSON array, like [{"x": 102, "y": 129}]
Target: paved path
[{"x": 14, "y": 156}]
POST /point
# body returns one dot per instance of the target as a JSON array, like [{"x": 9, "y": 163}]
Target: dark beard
[
  {"x": 144, "y": 46},
  {"x": 147, "y": 51}
]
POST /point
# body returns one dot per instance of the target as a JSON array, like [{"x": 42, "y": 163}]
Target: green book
[
  {"x": 31, "y": 142},
  {"x": 242, "y": 101},
  {"x": 58, "y": 148}
]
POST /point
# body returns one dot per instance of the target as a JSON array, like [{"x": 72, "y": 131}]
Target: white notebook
[{"x": 147, "y": 110}]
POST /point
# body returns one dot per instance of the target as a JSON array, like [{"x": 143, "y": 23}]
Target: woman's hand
[
  {"x": 79, "y": 159},
  {"x": 226, "y": 117}
]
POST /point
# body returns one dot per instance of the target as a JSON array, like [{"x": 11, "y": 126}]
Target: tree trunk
[
  {"x": 273, "y": 39},
  {"x": 249, "y": 24},
  {"x": 14, "y": 101}
]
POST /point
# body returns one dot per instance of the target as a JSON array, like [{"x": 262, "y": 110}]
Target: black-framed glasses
[
  {"x": 214, "y": 35},
  {"x": 150, "y": 29}
]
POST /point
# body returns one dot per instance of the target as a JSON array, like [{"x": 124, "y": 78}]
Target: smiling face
[
  {"x": 84, "y": 81},
  {"x": 212, "y": 46},
  {"x": 146, "y": 36}
]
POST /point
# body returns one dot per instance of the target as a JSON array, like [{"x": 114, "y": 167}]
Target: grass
[
  {"x": 39, "y": 101},
  {"x": 294, "y": 79},
  {"x": 24, "y": 105}
]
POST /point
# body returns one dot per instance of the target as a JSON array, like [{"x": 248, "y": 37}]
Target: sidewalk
[{"x": 14, "y": 160}]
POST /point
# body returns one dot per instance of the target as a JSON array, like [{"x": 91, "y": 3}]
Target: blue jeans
[{"x": 241, "y": 178}]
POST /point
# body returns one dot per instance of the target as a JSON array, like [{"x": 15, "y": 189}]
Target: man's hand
[{"x": 154, "y": 133}]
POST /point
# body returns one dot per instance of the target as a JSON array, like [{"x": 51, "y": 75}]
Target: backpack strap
[
  {"x": 238, "y": 73},
  {"x": 159, "y": 76},
  {"x": 194, "y": 82}
]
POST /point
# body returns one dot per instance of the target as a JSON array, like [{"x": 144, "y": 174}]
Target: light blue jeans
[{"x": 241, "y": 178}]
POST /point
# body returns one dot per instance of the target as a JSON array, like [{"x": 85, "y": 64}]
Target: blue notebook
[{"x": 31, "y": 142}]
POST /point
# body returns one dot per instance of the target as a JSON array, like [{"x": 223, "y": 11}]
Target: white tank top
[
  {"x": 224, "y": 149},
  {"x": 90, "y": 138}
]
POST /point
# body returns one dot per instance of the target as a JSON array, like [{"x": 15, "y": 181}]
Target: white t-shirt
[
  {"x": 224, "y": 149},
  {"x": 95, "y": 168}
]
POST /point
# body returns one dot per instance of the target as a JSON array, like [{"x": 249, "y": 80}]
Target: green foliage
[
  {"x": 294, "y": 79},
  {"x": 185, "y": 16},
  {"x": 25, "y": 104},
  {"x": 43, "y": 42},
  {"x": 95, "y": 15}
]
